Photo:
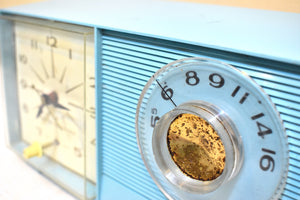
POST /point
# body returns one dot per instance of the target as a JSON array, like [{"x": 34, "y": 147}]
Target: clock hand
[
  {"x": 40, "y": 110},
  {"x": 50, "y": 99},
  {"x": 57, "y": 105},
  {"x": 43, "y": 97},
  {"x": 45, "y": 101}
]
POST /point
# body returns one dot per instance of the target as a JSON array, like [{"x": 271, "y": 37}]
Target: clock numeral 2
[{"x": 92, "y": 84}]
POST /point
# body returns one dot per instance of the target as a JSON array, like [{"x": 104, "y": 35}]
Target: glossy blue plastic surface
[
  {"x": 128, "y": 64},
  {"x": 134, "y": 39},
  {"x": 262, "y": 33}
]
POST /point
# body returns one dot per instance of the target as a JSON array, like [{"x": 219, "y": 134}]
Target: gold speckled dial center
[{"x": 196, "y": 148}]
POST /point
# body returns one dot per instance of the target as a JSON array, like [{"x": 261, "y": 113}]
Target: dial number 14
[{"x": 216, "y": 80}]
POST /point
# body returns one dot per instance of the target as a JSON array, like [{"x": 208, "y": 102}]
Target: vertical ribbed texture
[{"x": 128, "y": 65}]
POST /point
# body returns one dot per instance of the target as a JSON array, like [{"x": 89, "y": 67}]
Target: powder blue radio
[{"x": 155, "y": 99}]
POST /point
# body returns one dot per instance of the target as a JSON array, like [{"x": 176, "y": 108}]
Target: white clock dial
[{"x": 55, "y": 75}]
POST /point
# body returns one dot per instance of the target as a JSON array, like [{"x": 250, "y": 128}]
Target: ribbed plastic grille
[
  {"x": 124, "y": 77},
  {"x": 128, "y": 64}
]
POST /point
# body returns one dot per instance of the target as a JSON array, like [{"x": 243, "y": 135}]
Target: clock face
[{"x": 56, "y": 92}]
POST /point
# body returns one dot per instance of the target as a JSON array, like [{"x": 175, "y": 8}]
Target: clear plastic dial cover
[{"x": 234, "y": 99}]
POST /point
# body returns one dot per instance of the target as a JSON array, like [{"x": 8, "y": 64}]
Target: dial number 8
[{"x": 192, "y": 78}]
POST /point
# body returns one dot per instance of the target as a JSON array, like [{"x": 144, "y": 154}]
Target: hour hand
[
  {"x": 40, "y": 110},
  {"x": 45, "y": 100},
  {"x": 50, "y": 99}
]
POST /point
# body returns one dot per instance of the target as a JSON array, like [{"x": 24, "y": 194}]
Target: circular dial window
[
  {"x": 206, "y": 131},
  {"x": 196, "y": 147}
]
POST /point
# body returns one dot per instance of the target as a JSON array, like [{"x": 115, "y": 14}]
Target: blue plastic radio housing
[{"x": 134, "y": 39}]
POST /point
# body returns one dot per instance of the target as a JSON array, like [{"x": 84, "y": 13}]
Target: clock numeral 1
[
  {"x": 244, "y": 97},
  {"x": 70, "y": 54}
]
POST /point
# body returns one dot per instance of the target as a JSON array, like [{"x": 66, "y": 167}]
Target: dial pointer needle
[{"x": 166, "y": 93}]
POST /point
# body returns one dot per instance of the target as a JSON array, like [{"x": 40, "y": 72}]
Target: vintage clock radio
[{"x": 155, "y": 99}]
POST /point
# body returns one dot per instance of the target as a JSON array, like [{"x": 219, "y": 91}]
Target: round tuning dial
[{"x": 206, "y": 131}]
